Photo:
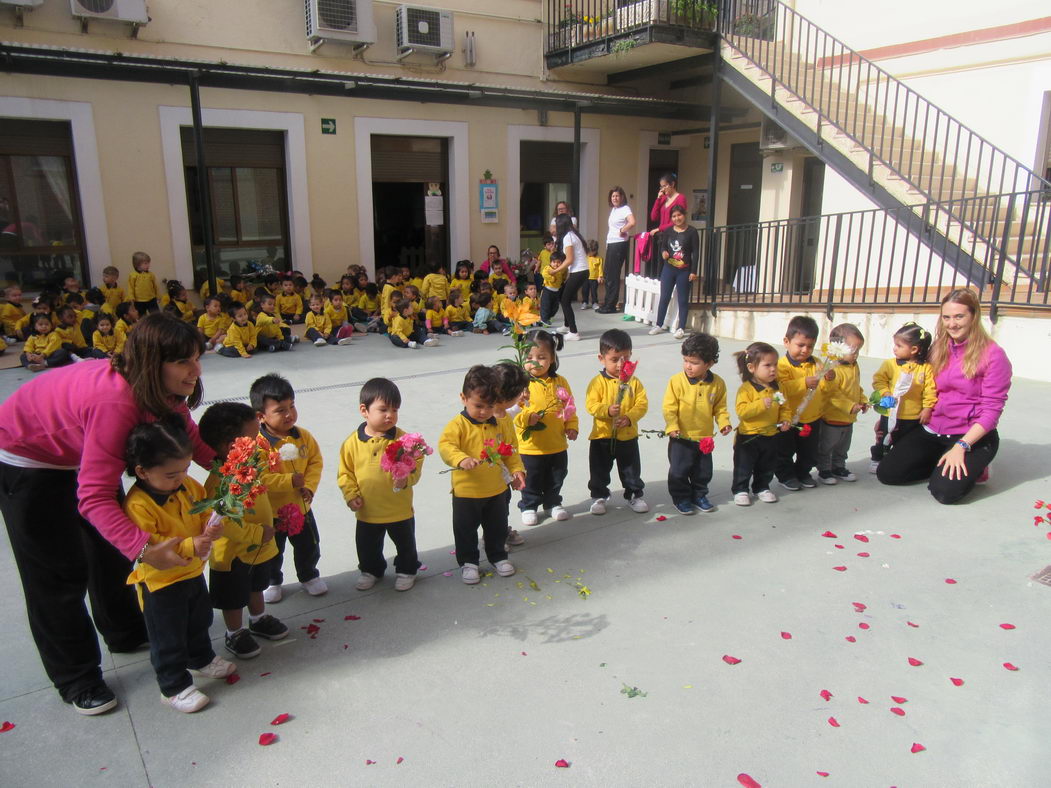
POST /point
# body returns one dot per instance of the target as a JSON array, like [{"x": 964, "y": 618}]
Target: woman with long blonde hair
[{"x": 972, "y": 375}]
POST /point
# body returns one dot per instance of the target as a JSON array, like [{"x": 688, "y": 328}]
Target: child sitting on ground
[
  {"x": 844, "y": 400},
  {"x": 127, "y": 316},
  {"x": 763, "y": 411},
  {"x": 370, "y": 491},
  {"x": 274, "y": 334},
  {"x": 43, "y": 349},
  {"x": 339, "y": 313},
  {"x": 288, "y": 303},
  {"x": 178, "y": 302},
  {"x": 319, "y": 325},
  {"x": 103, "y": 339},
  {"x": 242, "y": 337},
  {"x": 435, "y": 320},
  {"x": 484, "y": 317},
  {"x": 458, "y": 313},
  {"x": 403, "y": 331},
  {"x": 213, "y": 324}
]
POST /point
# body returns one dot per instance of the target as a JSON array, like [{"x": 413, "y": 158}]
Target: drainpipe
[
  {"x": 712, "y": 267},
  {"x": 574, "y": 188},
  {"x": 203, "y": 186}
]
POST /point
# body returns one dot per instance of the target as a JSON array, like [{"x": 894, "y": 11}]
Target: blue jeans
[{"x": 679, "y": 280}]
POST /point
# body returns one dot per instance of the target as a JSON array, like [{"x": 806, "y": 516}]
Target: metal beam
[
  {"x": 690, "y": 82},
  {"x": 574, "y": 189},
  {"x": 203, "y": 186},
  {"x": 660, "y": 69}
]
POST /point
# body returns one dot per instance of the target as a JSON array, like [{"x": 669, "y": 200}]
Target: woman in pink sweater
[
  {"x": 972, "y": 375},
  {"x": 62, "y": 443}
]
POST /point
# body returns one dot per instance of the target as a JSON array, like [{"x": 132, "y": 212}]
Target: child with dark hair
[
  {"x": 72, "y": 337},
  {"x": 590, "y": 290},
  {"x": 274, "y": 333},
  {"x": 288, "y": 303},
  {"x": 615, "y": 434},
  {"x": 462, "y": 278},
  {"x": 763, "y": 411},
  {"x": 436, "y": 283},
  {"x": 553, "y": 281},
  {"x": 458, "y": 313},
  {"x": 907, "y": 379},
  {"x": 111, "y": 289},
  {"x": 479, "y": 487},
  {"x": 319, "y": 325},
  {"x": 239, "y": 565},
  {"x": 844, "y": 400},
  {"x": 242, "y": 337},
  {"x": 694, "y": 407},
  {"x": 127, "y": 316},
  {"x": 337, "y": 310},
  {"x": 403, "y": 331},
  {"x": 293, "y": 483},
  {"x": 511, "y": 388},
  {"x": 178, "y": 301},
  {"x": 213, "y": 323},
  {"x": 484, "y": 316},
  {"x": 797, "y": 376},
  {"x": 370, "y": 491},
  {"x": 102, "y": 338},
  {"x": 43, "y": 348},
  {"x": 174, "y": 601},
  {"x": 391, "y": 283}
]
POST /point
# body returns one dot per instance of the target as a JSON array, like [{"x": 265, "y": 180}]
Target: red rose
[
  {"x": 706, "y": 445},
  {"x": 805, "y": 431},
  {"x": 628, "y": 370},
  {"x": 505, "y": 450}
]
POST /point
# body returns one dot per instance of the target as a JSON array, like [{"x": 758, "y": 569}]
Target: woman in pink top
[
  {"x": 494, "y": 263},
  {"x": 668, "y": 197},
  {"x": 62, "y": 444},
  {"x": 972, "y": 375}
]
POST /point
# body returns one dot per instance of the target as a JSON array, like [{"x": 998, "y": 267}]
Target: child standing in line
[
  {"x": 288, "y": 303},
  {"x": 239, "y": 566},
  {"x": 843, "y": 402},
  {"x": 694, "y": 403},
  {"x": 174, "y": 601},
  {"x": 111, "y": 289},
  {"x": 103, "y": 339},
  {"x": 545, "y": 454},
  {"x": 274, "y": 334},
  {"x": 553, "y": 275},
  {"x": 127, "y": 316},
  {"x": 479, "y": 487},
  {"x": 142, "y": 285},
  {"x": 762, "y": 413},
  {"x": 908, "y": 380},
  {"x": 512, "y": 388},
  {"x": 242, "y": 338},
  {"x": 617, "y": 407},
  {"x": 797, "y": 376},
  {"x": 43, "y": 349},
  {"x": 213, "y": 324},
  {"x": 294, "y": 482},
  {"x": 369, "y": 490},
  {"x": 590, "y": 296}
]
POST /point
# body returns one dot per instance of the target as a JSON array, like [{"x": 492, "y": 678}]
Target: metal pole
[
  {"x": 711, "y": 272},
  {"x": 574, "y": 189},
  {"x": 203, "y": 187}
]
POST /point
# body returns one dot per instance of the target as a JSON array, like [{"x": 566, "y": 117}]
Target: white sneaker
[
  {"x": 679, "y": 333},
  {"x": 218, "y": 668},
  {"x": 75, "y": 358},
  {"x": 514, "y": 538},
  {"x": 571, "y": 337},
  {"x": 272, "y": 594},
  {"x": 188, "y": 701},
  {"x": 767, "y": 496},
  {"x": 504, "y": 568},
  {"x": 873, "y": 466},
  {"x": 412, "y": 345},
  {"x": 365, "y": 582},
  {"x": 559, "y": 513},
  {"x": 430, "y": 343},
  {"x": 295, "y": 339},
  {"x": 404, "y": 582},
  {"x": 743, "y": 499},
  {"x": 469, "y": 574},
  {"x": 586, "y": 306},
  {"x": 639, "y": 505},
  {"x": 344, "y": 341},
  {"x": 319, "y": 342},
  {"x": 456, "y": 333},
  {"x": 598, "y": 506},
  {"x": 315, "y": 587},
  {"x": 656, "y": 330},
  {"x": 529, "y": 517},
  {"x": 830, "y": 480},
  {"x": 562, "y": 330},
  {"x": 846, "y": 477},
  {"x": 361, "y": 328}
]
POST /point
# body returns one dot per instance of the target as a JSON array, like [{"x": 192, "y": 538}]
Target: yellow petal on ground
[{"x": 687, "y": 686}]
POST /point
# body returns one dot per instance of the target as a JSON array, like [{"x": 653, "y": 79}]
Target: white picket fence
[{"x": 641, "y": 295}]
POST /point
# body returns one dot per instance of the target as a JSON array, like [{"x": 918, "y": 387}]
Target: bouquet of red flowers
[
  {"x": 625, "y": 379},
  {"x": 401, "y": 455},
  {"x": 493, "y": 453},
  {"x": 289, "y": 519},
  {"x": 239, "y": 478}
]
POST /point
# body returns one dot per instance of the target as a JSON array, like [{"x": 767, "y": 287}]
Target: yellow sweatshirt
[
  {"x": 458, "y": 314},
  {"x": 206, "y": 291},
  {"x": 309, "y": 463},
  {"x": 142, "y": 286},
  {"x": 44, "y": 344},
  {"x": 243, "y": 296},
  {"x": 602, "y": 394},
  {"x": 594, "y": 267},
  {"x": 10, "y": 315},
  {"x": 464, "y": 286},
  {"x": 162, "y": 517},
  {"x": 543, "y": 398},
  {"x": 210, "y": 326},
  {"x": 319, "y": 321},
  {"x": 241, "y": 338},
  {"x": 922, "y": 394},
  {"x": 71, "y": 335},
  {"x": 756, "y": 418},
  {"x": 791, "y": 381},
  {"x": 245, "y": 540},
  {"x": 270, "y": 326},
  {"x": 435, "y": 285},
  {"x": 288, "y": 304},
  {"x": 694, "y": 408},
  {"x": 107, "y": 343},
  {"x": 553, "y": 279},
  {"x": 464, "y": 437},
  {"x": 114, "y": 295},
  {"x": 120, "y": 331},
  {"x": 185, "y": 309},
  {"x": 385, "y": 297},
  {"x": 360, "y": 476},
  {"x": 401, "y": 327},
  {"x": 338, "y": 317},
  {"x": 436, "y": 319},
  {"x": 844, "y": 391},
  {"x": 368, "y": 305}
]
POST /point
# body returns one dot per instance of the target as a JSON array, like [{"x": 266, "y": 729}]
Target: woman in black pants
[
  {"x": 621, "y": 223},
  {"x": 680, "y": 248},
  {"x": 576, "y": 262}
]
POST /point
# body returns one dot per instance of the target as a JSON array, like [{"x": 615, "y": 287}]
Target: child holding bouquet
[
  {"x": 378, "y": 466},
  {"x": 905, "y": 386},
  {"x": 763, "y": 411},
  {"x": 512, "y": 386}
]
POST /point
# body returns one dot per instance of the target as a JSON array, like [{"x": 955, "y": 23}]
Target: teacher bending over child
[{"x": 972, "y": 375}]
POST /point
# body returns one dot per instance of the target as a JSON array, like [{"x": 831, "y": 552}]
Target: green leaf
[{"x": 203, "y": 505}]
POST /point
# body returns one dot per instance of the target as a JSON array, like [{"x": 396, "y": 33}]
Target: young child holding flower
[
  {"x": 844, "y": 400},
  {"x": 763, "y": 411},
  {"x": 544, "y": 427},
  {"x": 617, "y": 400},
  {"x": 382, "y": 498},
  {"x": 512, "y": 387},
  {"x": 798, "y": 377},
  {"x": 694, "y": 402}
]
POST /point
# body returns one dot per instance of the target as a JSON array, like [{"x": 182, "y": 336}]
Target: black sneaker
[
  {"x": 94, "y": 700},
  {"x": 241, "y": 644},
  {"x": 792, "y": 484},
  {"x": 808, "y": 481},
  {"x": 269, "y": 627}
]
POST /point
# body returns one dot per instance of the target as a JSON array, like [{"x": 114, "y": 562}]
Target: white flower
[
  {"x": 289, "y": 452},
  {"x": 836, "y": 350},
  {"x": 779, "y": 398}
]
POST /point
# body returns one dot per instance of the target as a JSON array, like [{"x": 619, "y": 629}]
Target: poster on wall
[
  {"x": 699, "y": 212},
  {"x": 488, "y": 196}
]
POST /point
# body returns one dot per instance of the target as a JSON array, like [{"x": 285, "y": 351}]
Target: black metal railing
[
  {"x": 918, "y": 142},
  {"x": 573, "y": 23},
  {"x": 878, "y": 258}
]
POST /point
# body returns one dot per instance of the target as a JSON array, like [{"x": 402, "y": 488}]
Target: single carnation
[{"x": 289, "y": 452}]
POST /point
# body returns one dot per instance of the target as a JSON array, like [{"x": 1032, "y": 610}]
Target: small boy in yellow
[
  {"x": 127, "y": 316},
  {"x": 436, "y": 283},
  {"x": 763, "y": 412},
  {"x": 590, "y": 296},
  {"x": 111, "y": 289},
  {"x": 844, "y": 400},
  {"x": 289, "y": 303},
  {"x": 553, "y": 275},
  {"x": 11, "y": 312},
  {"x": 142, "y": 285},
  {"x": 242, "y": 337},
  {"x": 294, "y": 482},
  {"x": 274, "y": 334}
]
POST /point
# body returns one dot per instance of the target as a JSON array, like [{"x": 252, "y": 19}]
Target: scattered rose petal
[
  {"x": 369, "y": 762},
  {"x": 661, "y": 518},
  {"x": 562, "y": 763},
  {"x": 899, "y": 699},
  {"x": 840, "y": 568},
  {"x": 423, "y": 568},
  {"x": 264, "y": 674},
  {"x": 1007, "y": 626},
  {"x": 851, "y": 639},
  {"x": 7, "y": 726},
  {"x": 319, "y": 621},
  {"x": 864, "y": 555},
  {"x": 447, "y": 574},
  {"x": 730, "y": 660},
  {"x": 524, "y": 654},
  {"x": 400, "y": 760},
  {"x": 786, "y": 635},
  {"x": 859, "y": 606},
  {"x": 345, "y": 646},
  {"x": 833, "y": 722},
  {"x": 1009, "y": 666},
  {"x": 737, "y": 536},
  {"x": 950, "y": 581},
  {"x": 825, "y": 694},
  {"x": 861, "y": 537},
  {"x": 896, "y": 710},
  {"x": 914, "y": 662},
  {"x": 822, "y": 774},
  {"x": 233, "y": 678},
  {"x": 917, "y": 747},
  {"x": 280, "y": 719},
  {"x": 267, "y": 738},
  {"x": 895, "y": 536},
  {"x": 956, "y": 682},
  {"x": 829, "y": 535},
  {"x": 352, "y": 618},
  {"x": 861, "y": 699},
  {"x": 839, "y": 547},
  {"x": 452, "y": 552},
  {"x": 914, "y": 626},
  {"x": 747, "y": 781}
]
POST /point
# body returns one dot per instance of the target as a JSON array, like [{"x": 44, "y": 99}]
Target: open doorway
[
  {"x": 546, "y": 175},
  {"x": 742, "y": 208},
  {"x": 799, "y": 275}
]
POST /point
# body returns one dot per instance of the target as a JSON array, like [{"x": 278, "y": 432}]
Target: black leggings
[
  {"x": 914, "y": 457},
  {"x": 616, "y": 255},
  {"x": 570, "y": 289}
]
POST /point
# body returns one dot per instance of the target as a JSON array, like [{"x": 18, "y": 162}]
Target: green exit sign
[{"x": 328, "y": 125}]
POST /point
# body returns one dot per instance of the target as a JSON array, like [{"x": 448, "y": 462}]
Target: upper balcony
[{"x": 600, "y": 36}]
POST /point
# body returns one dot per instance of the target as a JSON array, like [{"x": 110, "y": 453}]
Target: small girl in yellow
[
  {"x": 844, "y": 400},
  {"x": 178, "y": 301},
  {"x": 590, "y": 297},
  {"x": 462, "y": 280},
  {"x": 103, "y": 339},
  {"x": 763, "y": 411},
  {"x": 175, "y": 601},
  {"x": 142, "y": 285},
  {"x": 213, "y": 324},
  {"x": 127, "y": 316},
  {"x": 907, "y": 379},
  {"x": 43, "y": 348},
  {"x": 319, "y": 325},
  {"x": 544, "y": 450},
  {"x": 457, "y": 313}
]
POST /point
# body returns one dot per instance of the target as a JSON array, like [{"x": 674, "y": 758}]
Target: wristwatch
[
  {"x": 965, "y": 444},
  {"x": 142, "y": 552}
]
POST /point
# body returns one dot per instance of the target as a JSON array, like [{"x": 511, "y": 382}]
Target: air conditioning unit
[
  {"x": 774, "y": 138},
  {"x": 421, "y": 29},
  {"x": 133, "y": 11},
  {"x": 346, "y": 21}
]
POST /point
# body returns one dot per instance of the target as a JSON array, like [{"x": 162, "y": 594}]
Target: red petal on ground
[
  {"x": 899, "y": 699},
  {"x": 562, "y": 763},
  {"x": 840, "y": 568},
  {"x": 265, "y": 674},
  {"x": 661, "y": 518},
  {"x": 786, "y": 635},
  {"x": 280, "y": 719},
  {"x": 369, "y": 762},
  {"x": 233, "y": 678},
  {"x": 267, "y": 738},
  {"x": 851, "y": 639},
  {"x": 319, "y": 621},
  {"x": 839, "y": 547},
  {"x": 917, "y": 747},
  {"x": 861, "y": 537},
  {"x": 822, "y": 774},
  {"x": 914, "y": 626},
  {"x": 956, "y": 682},
  {"x": 914, "y": 662},
  {"x": 899, "y": 712},
  {"x": 895, "y": 536},
  {"x": 864, "y": 555},
  {"x": 863, "y": 625},
  {"x": 747, "y": 781},
  {"x": 400, "y": 759},
  {"x": 1009, "y": 666},
  {"x": 829, "y": 535},
  {"x": 950, "y": 581},
  {"x": 1007, "y": 626},
  {"x": 738, "y": 536},
  {"x": 7, "y": 726},
  {"x": 861, "y": 699},
  {"x": 352, "y": 618},
  {"x": 524, "y": 654},
  {"x": 859, "y": 606},
  {"x": 730, "y": 660},
  {"x": 825, "y": 694},
  {"x": 833, "y": 722}
]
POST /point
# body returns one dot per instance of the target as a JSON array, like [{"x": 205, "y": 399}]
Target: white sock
[
  {"x": 255, "y": 619},
  {"x": 231, "y": 632}
]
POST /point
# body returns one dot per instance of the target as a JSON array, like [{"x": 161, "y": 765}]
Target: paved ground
[{"x": 495, "y": 683}]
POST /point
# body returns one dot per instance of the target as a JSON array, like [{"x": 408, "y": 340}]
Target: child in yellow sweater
[
  {"x": 214, "y": 323},
  {"x": 763, "y": 412},
  {"x": 43, "y": 348},
  {"x": 844, "y": 400},
  {"x": 142, "y": 285},
  {"x": 590, "y": 296},
  {"x": 907, "y": 379}
]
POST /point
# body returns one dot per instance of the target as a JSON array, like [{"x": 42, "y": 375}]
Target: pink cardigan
[
  {"x": 80, "y": 416},
  {"x": 965, "y": 401},
  {"x": 661, "y": 211}
]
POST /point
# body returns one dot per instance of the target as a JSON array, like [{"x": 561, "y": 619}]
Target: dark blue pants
[
  {"x": 545, "y": 474},
  {"x": 796, "y": 455},
  {"x": 491, "y": 514},
  {"x": 689, "y": 471},
  {"x": 177, "y": 618},
  {"x": 629, "y": 467},
  {"x": 306, "y": 552},
  {"x": 754, "y": 459},
  {"x": 679, "y": 280},
  {"x": 369, "y": 540},
  {"x": 548, "y": 305}
]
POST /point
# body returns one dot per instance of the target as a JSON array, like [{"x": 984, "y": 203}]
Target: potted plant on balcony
[
  {"x": 750, "y": 25},
  {"x": 698, "y": 14}
]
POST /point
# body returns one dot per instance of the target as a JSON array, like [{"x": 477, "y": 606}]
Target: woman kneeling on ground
[{"x": 972, "y": 375}]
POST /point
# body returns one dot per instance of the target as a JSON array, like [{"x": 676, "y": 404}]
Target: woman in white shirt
[
  {"x": 621, "y": 223},
  {"x": 576, "y": 263}
]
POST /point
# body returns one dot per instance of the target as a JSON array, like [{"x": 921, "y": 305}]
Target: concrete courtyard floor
[{"x": 455, "y": 685}]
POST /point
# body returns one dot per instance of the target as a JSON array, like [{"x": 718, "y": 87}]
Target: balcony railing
[{"x": 575, "y": 23}]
